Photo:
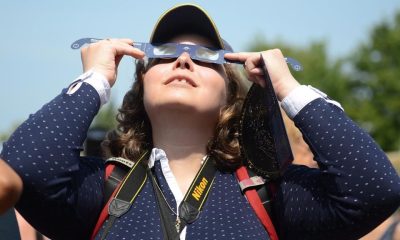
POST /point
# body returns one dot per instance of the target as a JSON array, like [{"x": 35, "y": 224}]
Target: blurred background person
[
  {"x": 10, "y": 190},
  {"x": 10, "y": 187}
]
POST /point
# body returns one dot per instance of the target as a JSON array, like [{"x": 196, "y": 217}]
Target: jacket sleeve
[
  {"x": 354, "y": 189},
  {"x": 61, "y": 190}
]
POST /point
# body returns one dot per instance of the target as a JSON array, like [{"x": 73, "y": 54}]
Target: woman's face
[{"x": 185, "y": 85}]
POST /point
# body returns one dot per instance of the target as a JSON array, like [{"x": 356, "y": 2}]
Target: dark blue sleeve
[
  {"x": 62, "y": 192},
  {"x": 355, "y": 188}
]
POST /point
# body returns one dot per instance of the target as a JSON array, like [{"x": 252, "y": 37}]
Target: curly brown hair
[{"x": 133, "y": 134}]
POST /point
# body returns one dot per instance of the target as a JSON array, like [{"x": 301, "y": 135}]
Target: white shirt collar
[{"x": 159, "y": 155}]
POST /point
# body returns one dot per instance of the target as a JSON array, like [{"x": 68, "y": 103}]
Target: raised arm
[
  {"x": 355, "y": 187},
  {"x": 45, "y": 152},
  {"x": 63, "y": 192}
]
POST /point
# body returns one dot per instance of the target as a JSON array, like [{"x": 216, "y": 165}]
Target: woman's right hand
[{"x": 104, "y": 56}]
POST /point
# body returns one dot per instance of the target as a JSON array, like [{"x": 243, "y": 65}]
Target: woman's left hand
[{"x": 281, "y": 77}]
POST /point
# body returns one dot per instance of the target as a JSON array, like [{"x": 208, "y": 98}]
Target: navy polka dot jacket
[{"x": 354, "y": 189}]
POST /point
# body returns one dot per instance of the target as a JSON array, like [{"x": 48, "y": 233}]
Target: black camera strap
[
  {"x": 127, "y": 193},
  {"x": 190, "y": 208}
]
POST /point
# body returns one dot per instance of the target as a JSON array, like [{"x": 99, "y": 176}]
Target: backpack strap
[
  {"x": 114, "y": 175},
  {"x": 116, "y": 172},
  {"x": 259, "y": 199},
  {"x": 254, "y": 199}
]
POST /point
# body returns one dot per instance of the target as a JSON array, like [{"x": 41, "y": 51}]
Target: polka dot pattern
[
  {"x": 226, "y": 214},
  {"x": 60, "y": 188},
  {"x": 141, "y": 222},
  {"x": 354, "y": 189}
]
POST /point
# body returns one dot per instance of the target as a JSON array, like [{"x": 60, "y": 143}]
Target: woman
[{"x": 185, "y": 111}]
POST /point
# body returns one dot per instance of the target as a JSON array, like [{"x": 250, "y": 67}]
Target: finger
[
  {"x": 258, "y": 76},
  {"x": 261, "y": 80},
  {"x": 257, "y": 71},
  {"x": 257, "y": 80},
  {"x": 126, "y": 40},
  {"x": 250, "y": 64},
  {"x": 240, "y": 56},
  {"x": 123, "y": 48},
  {"x": 114, "y": 40}
]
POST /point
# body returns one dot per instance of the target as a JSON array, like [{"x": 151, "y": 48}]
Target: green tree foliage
[
  {"x": 375, "y": 84},
  {"x": 104, "y": 121},
  {"x": 366, "y": 83},
  {"x": 106, "y": 118}
]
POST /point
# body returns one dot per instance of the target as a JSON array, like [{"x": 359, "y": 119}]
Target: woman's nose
[{"x": 184, "y": 61}]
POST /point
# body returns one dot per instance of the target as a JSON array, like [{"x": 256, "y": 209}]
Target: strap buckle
[
  {"x": 118, "y": 207},
  {"x": 251, "y": 182}
]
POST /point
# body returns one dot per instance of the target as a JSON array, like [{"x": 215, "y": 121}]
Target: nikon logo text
[{"x": 199, "y": 189}]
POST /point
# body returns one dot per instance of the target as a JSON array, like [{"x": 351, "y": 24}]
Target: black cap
[{"x": 186, "y": 19}]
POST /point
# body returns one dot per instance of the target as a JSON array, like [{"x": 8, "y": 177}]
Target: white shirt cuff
[
  {"x": 300, "y": 97},
  {"x": 97, "y": 81}
]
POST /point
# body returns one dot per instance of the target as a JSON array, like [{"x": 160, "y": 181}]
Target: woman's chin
[{"x": 182, "y": 108}]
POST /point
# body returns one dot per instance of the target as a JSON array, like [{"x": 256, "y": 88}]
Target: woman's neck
[
  {"x": 182, "y": 135},
  {"x": 184, "y": 141}
]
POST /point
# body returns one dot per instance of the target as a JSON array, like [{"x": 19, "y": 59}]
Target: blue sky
[{"x": 36, "y": 61}]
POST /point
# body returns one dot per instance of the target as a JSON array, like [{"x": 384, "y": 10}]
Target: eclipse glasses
[{"x": 174, "y": 50}]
